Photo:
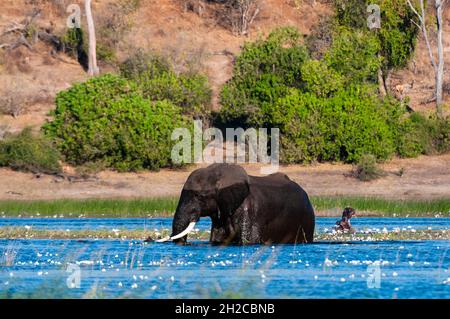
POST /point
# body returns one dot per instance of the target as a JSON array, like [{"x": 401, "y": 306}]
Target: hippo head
[{"x": 349, "y": 212}]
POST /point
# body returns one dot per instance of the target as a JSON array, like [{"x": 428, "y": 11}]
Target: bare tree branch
[
  {"x": 439, "y": 66},
  {"x": 423, "y": 27}
]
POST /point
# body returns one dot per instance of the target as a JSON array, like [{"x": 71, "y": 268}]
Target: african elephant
[{"x": 244, "y": 209}]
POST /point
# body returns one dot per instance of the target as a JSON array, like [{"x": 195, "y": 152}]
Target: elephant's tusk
[
  {"x": 184, "y": 232},
  {"x": 163, "y": 240}
]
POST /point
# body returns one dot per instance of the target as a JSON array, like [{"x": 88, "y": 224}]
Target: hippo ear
[{"x": 232, "y": 189}]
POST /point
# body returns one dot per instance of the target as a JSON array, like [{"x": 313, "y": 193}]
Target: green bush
[
  {"x": 190, "y": 92},
  {"x": 29, "y": 153},
  {"x": 423, "y": 135},
  {"x": 105, "y": 53},
  {"x": 263, "y": 73},
  {"x": 354, "y": 54},
  {"x": 319, "y": 40},
  {"x": 72, "y": 41},
  {"x": 157, "y": 81},
  {"x": 351, "y": 13},
  {"x": 142, "y": 66},
  {"x": 320, "y": 79},
  {"x": 351, "y": 123},
  {"x": 320, "y": 111},
  {"x": 281, "y": 54},
  {"x": 393, "y": 43},
  {"x": 367, "y": 169},
  {"x": 107, "y": 120}
]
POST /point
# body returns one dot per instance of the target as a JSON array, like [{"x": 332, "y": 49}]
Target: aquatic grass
[
  {"x": 364, "y": 235},
  {"x": 385, "y": 207},
  {"x": 386, "y": 236},
  {"x": 8, "y": 256},
  {"x": 165, "y": 207},
  {"x": 24, "y": 233},
  {"x": 154, "y": 207},
  {"x": 54, "y": 289}
]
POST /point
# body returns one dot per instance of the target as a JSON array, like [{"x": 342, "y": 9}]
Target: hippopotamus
[{"x": 344, "y": 223}]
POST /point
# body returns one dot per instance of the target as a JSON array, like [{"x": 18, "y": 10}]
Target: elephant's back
[
  {"x": 277, "y": 179},
  {"x": 276, "y": 182},
  {"x": 287, "y": 206},
  {"x": 280, "y": 191}
]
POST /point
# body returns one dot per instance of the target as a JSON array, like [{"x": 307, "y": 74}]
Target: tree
[
  {"x": 93, "y": 68},
  {"x": 395, "y": 33},
  {"x": 438, "y": 66},
  {"x": 247, "y": 12}
]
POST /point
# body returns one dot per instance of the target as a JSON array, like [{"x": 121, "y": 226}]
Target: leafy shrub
[
  {"x": 321, "y": 113},
  {"x": 73, "y": 42},
  {"x": 354, "y": 54},
  {"x": 106, "y": 119},
  {"x": 367, "y": 169},
  {"x": 321, "y": 37},
  {"x": 440, "y": 132},
  {"x": 190, "y": 92},
  {"x": 29, "y": 153},
  {"x": 157, "y": 81},
  {"x": 341, "y": 128},
  {"x": 141, "y": 66},
  {"x": 105, "y": 53},
  {"x": 329, "y": 109},
  {"x": 351, "y": 13},
  {"x": 423, "y": 135},
  {"x": 263, "y": 73},
  {"x": 320, "y": 79},
  {"x": 398, "y": 33},
  {"x": 281, "y": 54}
]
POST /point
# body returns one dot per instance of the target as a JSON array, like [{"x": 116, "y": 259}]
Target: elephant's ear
[{"x": 232, "y": 189}]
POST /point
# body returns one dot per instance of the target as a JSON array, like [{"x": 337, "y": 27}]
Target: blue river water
[
  {"x": 31, "y": 268},
  {"x": 322, "y": 223}
]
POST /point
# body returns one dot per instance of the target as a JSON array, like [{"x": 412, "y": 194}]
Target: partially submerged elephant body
[{"x": 244, "y": 209}]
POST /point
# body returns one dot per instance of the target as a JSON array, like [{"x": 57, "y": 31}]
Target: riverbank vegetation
[
  {"x": 125, "y": 234},
  {"x": 165, "y": 207}
]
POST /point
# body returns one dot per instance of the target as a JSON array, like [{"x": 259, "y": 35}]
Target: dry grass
[
  {"x": 17, "y": 60},
  {"x": 4, "y": 128},
  {"x": 186, "y": 56},
  {"x": 17, "y": 95},
  {"x": 13, "y": 99}
]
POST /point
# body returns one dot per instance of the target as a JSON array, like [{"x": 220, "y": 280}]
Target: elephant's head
[{"x": 216, "y": 191}]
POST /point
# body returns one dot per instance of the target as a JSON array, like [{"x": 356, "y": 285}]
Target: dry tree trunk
[
  {"x": 243, "y": 12},
  {"x": 439, "y": 66},
  {"x": 93, "y": 68},
  {"x": 381, "y": 83}
]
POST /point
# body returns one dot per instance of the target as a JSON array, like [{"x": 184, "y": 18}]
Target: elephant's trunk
[
  {"x": 184, "y": 232},
  {"x": 183, "y": 223}
]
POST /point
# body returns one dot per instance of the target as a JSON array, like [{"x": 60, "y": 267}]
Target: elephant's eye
[{"x": 203, "y": 196}]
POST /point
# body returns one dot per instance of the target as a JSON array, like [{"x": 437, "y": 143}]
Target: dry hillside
[{"x": 35, "y": 75}]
